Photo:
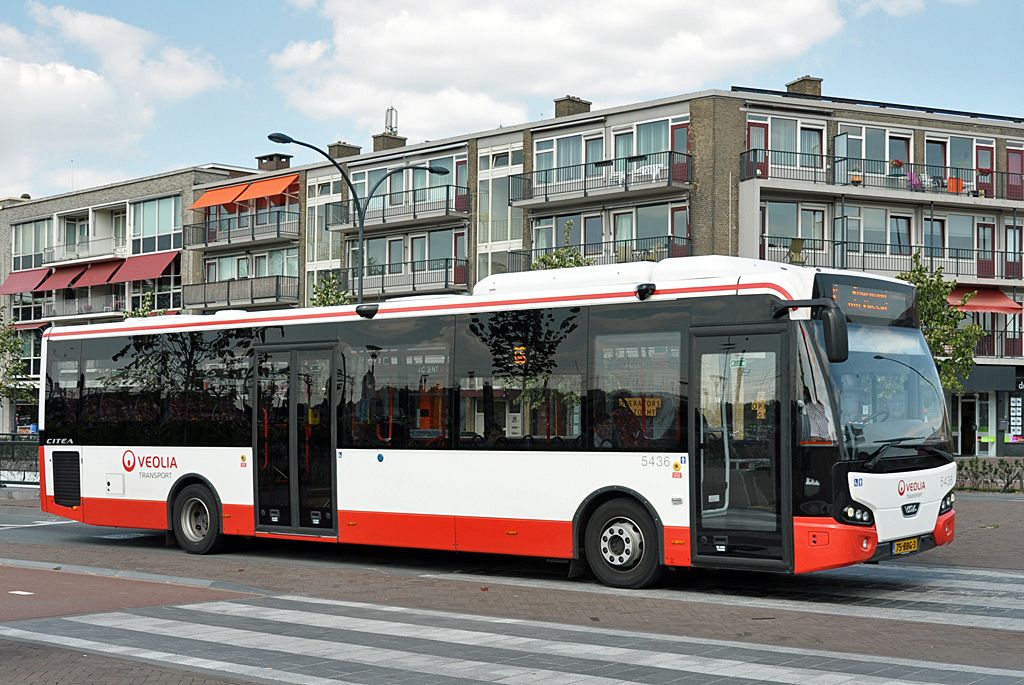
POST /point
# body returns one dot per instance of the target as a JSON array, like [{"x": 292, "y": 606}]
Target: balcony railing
[
  {"x": 999, "y": 344},
  {"x": 243, "y": 229},
  {"x": 400, "y": 278},
  {"x": 245, "y": 291},
  {"x": 405, "y": 205},
  {"x": 612, "y": 252},
  {"x": 656, "y": 168},
  {"x": 892, "y": 259},
  {"x": 81, "y": 306},
  {"x": 100, "y": 247},
  {"x": 873, "y": 173}
]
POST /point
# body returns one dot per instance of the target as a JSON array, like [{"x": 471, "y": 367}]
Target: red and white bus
[{"x": 700, "y": 411}]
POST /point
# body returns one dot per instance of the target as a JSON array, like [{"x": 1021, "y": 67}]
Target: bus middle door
[
  {"x": 739, "y": 487},
  {"x": 295, "y": 438}
]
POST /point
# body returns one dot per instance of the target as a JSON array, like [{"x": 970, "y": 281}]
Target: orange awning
[
  {"x": 143, "y": 267},
  {"x": 61, "y": 278},
  {"x": 23, "y": 281},
  {"x": 987, "y": 300},
  {"x": 30, "y": 325},
  {"x": 98, "y": 273},
  {"x": 219, "y": 196},
  {"x": 268, "y": 187}
]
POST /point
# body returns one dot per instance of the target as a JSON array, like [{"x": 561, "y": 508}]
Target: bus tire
[
  {"x": 195, "y": 518},
  {"x": 621, "y": 545}
]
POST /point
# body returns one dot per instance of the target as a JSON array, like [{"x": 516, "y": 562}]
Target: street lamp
[{"x": 361, "y": 206}]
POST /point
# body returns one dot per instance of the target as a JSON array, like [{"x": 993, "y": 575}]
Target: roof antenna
[{"x": 391, "y": 121}]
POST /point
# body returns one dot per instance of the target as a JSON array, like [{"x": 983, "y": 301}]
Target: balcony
[
  {"x": 406, "y": 208},
  {"x": 645, "y": 174},
  {"x": 247, "y": 229},
  {"x": 89, "y": 249},
  {"x": 613, "y": 252},
  {"x": 265, "y": 290},
  {"x": 999, "y": 344},
  {"x": 84, "y": 306},
  {"x": 873, "y": 173},
  {"x": 409, "y": 278},
  {"x": 892, "y": 259}
]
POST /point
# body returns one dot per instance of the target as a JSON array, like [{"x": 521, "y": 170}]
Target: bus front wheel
[
  {"x": 195, "y": 521},
  {"x": 622, "y": 545}
]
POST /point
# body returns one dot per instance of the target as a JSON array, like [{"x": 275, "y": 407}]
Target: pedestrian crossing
[{"x": 292, "y": 639}]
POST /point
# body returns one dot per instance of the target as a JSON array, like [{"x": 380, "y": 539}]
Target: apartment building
[{"x": 86, "y": 256}]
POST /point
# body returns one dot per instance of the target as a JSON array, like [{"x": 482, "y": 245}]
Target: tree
[
  {"x": 145, "y": 308},
  {"x": 12, "y": 349},
  {"x": 952, "y": 345},
  {"x": 329, "y": 293},
  {"x": 563, "y": 257}
]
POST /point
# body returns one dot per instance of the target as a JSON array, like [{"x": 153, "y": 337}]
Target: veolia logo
[
  {"x": 128, "y": 461},
  {"x": 910, "y": 487},
  {"x": 902, "y": 487}
]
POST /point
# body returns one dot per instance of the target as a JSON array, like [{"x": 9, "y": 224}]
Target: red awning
[
  {"x": 29, "y": 325},
  {"x": 143, "y": 267},
  {"x": 219, "y": 196},
  {"x": 268, "y": 187},
  {"x": 987, "y": 300},
  {"x": 61, "y": 278},
  {"x": 23, "y": 281},
  {"x": 98, "y": 273}
]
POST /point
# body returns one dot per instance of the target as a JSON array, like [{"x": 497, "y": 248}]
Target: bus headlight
[
  {"x": 860, "y": 515},
  {"x": 947, "y": 503}
]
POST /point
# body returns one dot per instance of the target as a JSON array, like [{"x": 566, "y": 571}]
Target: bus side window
[
  {"x": 62, "y": 390},
  {"x": 121, "y": 390},
  {"x": 520, "y": 377},
  {"x": 638, "y": 373}
]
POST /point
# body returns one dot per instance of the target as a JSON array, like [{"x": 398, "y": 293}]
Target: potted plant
[
  {"x": 896, "y": 164},
  {"x": 984, "y": 172},
  {"x": 855, "y": 177}
]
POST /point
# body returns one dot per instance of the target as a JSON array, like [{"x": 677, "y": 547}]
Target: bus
[{"x": 695, "y": 412}]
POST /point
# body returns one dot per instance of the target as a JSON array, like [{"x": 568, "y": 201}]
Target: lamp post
[{"x": 361, "y": 206}]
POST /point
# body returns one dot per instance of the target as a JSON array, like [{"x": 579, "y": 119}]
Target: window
[
  {"x": 545, "y": 155},
  {"x": 848, "y": 228},
  {"x": 595, "y": 153},
  {"x": 517, "y": 157},
  {"x": 500, "y": 160},
  {"x": 961, "y": 152},
  {"x": 783, "y": 141},
  {"x": 782, "y": 219},
  {"x": 593, "y": 234},
  {"x": 961, "y": 236},
  {"x": 623, "y": 227},
  {"x": 810, "y": 148},
  {"x": 623, "y": 148},
  {"x": 520, "y": 375},
  {"x": 934, "y": 237},
  {"x": 499, "y": 209},
  {"x": 396, "y": 253},
  {"x": 165, "y": 291},
  {"x": 899, "y": 148},
  {"x": 652, "y": 221},
  {"x": 874, "y": 229},
  {"x": 484, "y": 215},
  {"x": 30, "y": 240},
  {"x": 485, "y": 162},
  {"x": 29, "y": 306},
  {"x": 899, "y": 235},
  {"x": 419, "y": 253},
  {"x": 812, "y": 228},
  {"x": 935, "y": 157},
  {"x": 854, "y": 140},
  {"x": 543, "y": 231},
  {"x": 76, "y": 231},
  {"x": 32, "y": 344},
  {"x": 792, "y": 220},
  {"x": 652, "y": 137},
  {"x": 242, "y": 267},
  {"x": 156, "y": 225}
]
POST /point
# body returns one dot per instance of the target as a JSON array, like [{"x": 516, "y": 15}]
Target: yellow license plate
[{"x": 904, "y": 546}]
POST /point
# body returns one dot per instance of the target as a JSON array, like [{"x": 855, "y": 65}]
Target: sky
[{"x": 99, "y": 91}]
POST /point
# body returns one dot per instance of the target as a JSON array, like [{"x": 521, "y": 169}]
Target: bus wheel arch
[
  {"x": 612, "y": 499},
  {"x": 193, "y": 498}
]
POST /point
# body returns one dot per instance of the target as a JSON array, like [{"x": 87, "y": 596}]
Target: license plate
[{"x": 904, "y": 546}]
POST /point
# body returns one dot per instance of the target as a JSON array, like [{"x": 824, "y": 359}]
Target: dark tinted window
[
  {"x": 521, "y": 377},
  {"x": 638, "y": 374},
  {"x": 121, "y": 390},
  {"x": 62, "y": 390},
  {"x": 394, "y": 378}
]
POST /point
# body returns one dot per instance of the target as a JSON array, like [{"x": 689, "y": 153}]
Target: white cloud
[
  {"x": 470, "y": 64},
  {"x": 54, "y": 111},
  {"x": 894, "y": 8}
]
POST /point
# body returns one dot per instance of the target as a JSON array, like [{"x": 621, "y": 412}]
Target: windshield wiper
[{"x": 876, "y": 456}]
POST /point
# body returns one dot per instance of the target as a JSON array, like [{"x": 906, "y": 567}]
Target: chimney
[
  {"x": 339, "y": 150},
  {"x": 274, "y": 162},
  {"x": 387, "y": 141},
  {"x": 569, "y": 105},
  {"x": 805, "y": 85}
]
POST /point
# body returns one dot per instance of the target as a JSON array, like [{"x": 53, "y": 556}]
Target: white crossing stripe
[
  {"x": 166, "y": 657},
  {"x": 452, "y": 667}
]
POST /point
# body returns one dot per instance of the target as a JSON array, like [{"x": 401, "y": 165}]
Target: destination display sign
[{"x": 857, "y": 299}]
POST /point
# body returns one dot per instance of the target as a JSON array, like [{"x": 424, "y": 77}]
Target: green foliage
[
  {"x": 145, "y": 308},
  {"x": 974, "y": 473},
  {"x": 951, "y": 345},
  {"x": 12, "y": 349},
  {"x": 563, "y": 257},
  {"x": 329, "y": 293}
]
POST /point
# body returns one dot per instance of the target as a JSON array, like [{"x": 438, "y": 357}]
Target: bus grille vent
[{"x": 67, "y": 480}]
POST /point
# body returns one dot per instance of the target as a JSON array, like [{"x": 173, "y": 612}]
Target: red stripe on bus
[
  {"x": 42, "y": 479},
  {"x": 75, "y": 514},
  {"x": 125, "y": 513},
  {"x": 327, "y": 318},
  {"x": 525, "y": 537},
  {"x": 239, "y": 519},
  {"x": 945, "y": 528},
  {"x": 677, "y": 546},
  {"x": 820, "y": 543},
  {"x": 422, "y": 531}
]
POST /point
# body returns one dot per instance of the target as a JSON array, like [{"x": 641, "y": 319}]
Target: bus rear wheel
[
  {"x": 195, "y": 521},
  {"x": 622, "y": 545}
]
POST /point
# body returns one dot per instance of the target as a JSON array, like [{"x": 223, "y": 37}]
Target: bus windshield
[{"x": 889, "y": 392}]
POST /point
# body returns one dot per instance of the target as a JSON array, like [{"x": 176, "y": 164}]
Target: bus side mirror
[{"x": 837, "y": 340}]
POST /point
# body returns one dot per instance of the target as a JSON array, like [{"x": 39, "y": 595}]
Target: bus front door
[
  {"x": 294, "y": 442},
  {"x": 739, "y": 490}
]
